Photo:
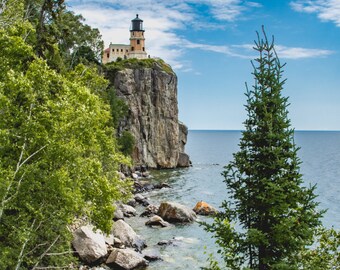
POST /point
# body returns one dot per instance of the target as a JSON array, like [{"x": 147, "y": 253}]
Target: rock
[
  {"x": 148, "y": 187},
  {"x": 127, "y": 235},
  {"x": 146, "y": 174},
  {"x": 175, "y": 212},
  {"x": 118, "y": 243},
  {"x": 138, "y": 187},
  {"x": 151, "y": 255},
  {"x": 149, "y": 211},
  {"x": 203, "y": 208},
  {"x": 143, "y": 168},
  {"x": 157, "y": 221},
  {"x": 151, "y": 95},
  {"x": 126, "y": 259},
  {"x": 183, "y": 160},
  {"x": 118, "y": 214},
  {"x": 121, "y": 175},
  {"x": 100, "y": 268},
  {"x": 128, "y": 210},
  {"x": 109, "y": 239},
  {"x": 134, "y": 176},
  {"x": 139, "y": 198},
  {"x": 162, "y": 185},
  {"x": 132, "y": 203},
  {"x": 164, "y": 242},
  {"x": 89, "y": 245}
]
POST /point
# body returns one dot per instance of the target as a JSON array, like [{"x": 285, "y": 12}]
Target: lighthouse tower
[{"x": 137, "y": 40}]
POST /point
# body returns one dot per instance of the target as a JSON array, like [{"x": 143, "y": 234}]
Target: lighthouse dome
[{"x": 137, "y": 24}]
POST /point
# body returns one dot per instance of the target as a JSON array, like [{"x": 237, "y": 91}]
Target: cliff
[{"x": 149, "y": 87}]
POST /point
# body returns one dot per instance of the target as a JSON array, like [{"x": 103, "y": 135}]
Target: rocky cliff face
[{"x": 151, "y": 94}]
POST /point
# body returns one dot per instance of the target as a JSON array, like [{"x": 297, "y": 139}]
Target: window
[
  {"x": 143, "y": 49},
  {"x": 121, "y": 50},
  {"x": 108, "y": 55},
  {"x": 132, "y": 48},
  {"x": 138, "y": 41},
  {"x": 127, "y": 50}
]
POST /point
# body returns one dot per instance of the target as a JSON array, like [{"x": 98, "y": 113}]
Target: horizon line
[{"x": 304, "y": 130}]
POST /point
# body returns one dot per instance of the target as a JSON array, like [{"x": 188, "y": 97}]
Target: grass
[{"x": 135, "y": 63}]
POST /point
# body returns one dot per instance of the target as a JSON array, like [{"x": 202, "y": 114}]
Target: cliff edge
[{"x": 149, "y": 87}]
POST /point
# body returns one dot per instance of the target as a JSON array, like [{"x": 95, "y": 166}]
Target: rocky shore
[{"x": 123, "y": 248}]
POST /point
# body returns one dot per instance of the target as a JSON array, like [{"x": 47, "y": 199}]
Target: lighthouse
[
  {"x": 137, "y": 39},
  {"x": 136, "y": 49}
]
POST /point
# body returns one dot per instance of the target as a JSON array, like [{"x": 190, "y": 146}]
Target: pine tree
[{"x": 271, "y": 215}]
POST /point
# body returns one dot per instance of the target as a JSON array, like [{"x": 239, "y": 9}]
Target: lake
[{"x": 211, "y": 150}]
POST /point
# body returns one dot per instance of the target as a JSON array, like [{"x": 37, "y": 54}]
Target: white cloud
[
  {"x": 299, "y": 53},
  {"x": 285, "y": 52},
  {"x": 326, "y": 10},
  {"x": 163, "y": 20}
]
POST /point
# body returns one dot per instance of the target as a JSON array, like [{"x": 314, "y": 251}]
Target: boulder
[
  {"x": 157, "y": 221},
  {"x": 128, "y": 210},
  {"x": 89, "y": 245},
  {"x": 127, "y": 235},
  {"x": 183, "y": 160},
  {"x": 132, "y": 203},
  {"x": 109, "y": 239},
  {"x": 118, "y": 214},
  {"x": 139, "y": 198},
  {"x": 126, "y": 259},
  {"x": 203, "y": 208},
  {"x": 118, "y": 243},
  {"x": 175, "y": 212},
  {"x": 162, "y": 185},
  {"x": 150, "y": 210},
  {"x": 165, "y": 242},
  {"x": 152, "y": 255}
]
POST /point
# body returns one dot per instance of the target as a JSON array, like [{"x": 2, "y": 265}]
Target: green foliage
[
  {"x": 119, "y": 109},
  {"x": 134, "y": 63},
  {"x": 275, "y": 215},
  {"x": 325, "y": 252},
  {"x": 61, "y": 37},
  {"x": 126, "y": 143},
  {"x": 58, "y": 154}
]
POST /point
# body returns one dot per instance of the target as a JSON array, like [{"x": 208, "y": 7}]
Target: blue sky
[{"x": 209, "y": 45}]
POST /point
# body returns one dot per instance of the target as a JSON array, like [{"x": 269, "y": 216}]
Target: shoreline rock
[
  {"x": 204, "y": 209},
  {"x": 89, "y": 245},
  {"x": 175, "y": 212},
  {"x": 127, "y": 235},
  {"x": 126, "y": 259}
]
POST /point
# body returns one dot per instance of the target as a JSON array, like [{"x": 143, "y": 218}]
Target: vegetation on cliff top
[{"x": 134, "y": 63}]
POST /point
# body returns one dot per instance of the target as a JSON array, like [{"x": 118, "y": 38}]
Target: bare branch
[
  {"x": 20, "y": 257},
  {"x": 45, "y": 252},
  {"x": 61, "y": 253}
]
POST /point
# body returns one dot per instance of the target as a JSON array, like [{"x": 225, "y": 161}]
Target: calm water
[{"x": 209, "y": 152}]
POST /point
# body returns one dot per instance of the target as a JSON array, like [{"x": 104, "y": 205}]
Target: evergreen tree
[{"x": 271, "y": 215}]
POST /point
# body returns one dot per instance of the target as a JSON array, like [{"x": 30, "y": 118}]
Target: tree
[
  {"x": 271, "y": 215},
  {"x": 324, "y": 253},
  {"x": 58, "y": 154}
]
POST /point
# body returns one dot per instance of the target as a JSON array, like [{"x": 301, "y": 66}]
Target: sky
[{"x": 209, "y": 44}]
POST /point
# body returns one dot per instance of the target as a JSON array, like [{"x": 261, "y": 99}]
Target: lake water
[{"x": 209, "y": 152}]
